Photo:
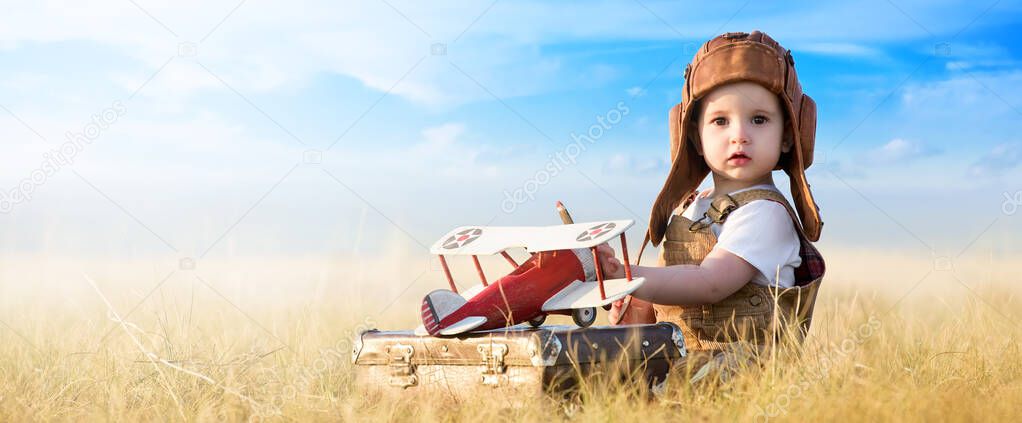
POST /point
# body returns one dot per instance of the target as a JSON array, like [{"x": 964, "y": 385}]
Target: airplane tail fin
[{"x": 436, "y": 306}]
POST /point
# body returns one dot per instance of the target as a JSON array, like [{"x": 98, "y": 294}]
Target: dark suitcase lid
[{"x": 522, "y": 345}]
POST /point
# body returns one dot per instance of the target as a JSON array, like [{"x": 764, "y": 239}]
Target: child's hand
[{"x": 612, "y": 267}]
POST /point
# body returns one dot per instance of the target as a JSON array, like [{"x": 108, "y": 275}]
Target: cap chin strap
[
  {"x": 685, "y": 202},
  {"x": 642, "y": 248}
]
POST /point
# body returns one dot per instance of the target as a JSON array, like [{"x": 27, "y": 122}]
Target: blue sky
[{"x": 256, "y": 128}]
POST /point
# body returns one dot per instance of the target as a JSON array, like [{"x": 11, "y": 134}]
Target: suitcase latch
[
  {"x": 402, "y": 372},
  {"x": 493, "y": 362}
]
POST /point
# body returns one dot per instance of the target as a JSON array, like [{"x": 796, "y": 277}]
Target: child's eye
[
  {"x": 759, "y": 120},
  {"x": 719, "y": 121}
]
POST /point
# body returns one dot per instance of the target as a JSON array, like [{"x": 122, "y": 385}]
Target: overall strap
[
  {"x": 813, "y": 266},
  {"x": 724, "y": 205},
  {"x": 721, "y": 207}
]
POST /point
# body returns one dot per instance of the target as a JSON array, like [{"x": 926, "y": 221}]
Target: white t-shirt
[{"x": 761, "y": 233}]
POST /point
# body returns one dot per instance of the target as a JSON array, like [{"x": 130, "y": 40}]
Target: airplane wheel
[
  {"x": 537, "y": 321},
  {"x": 584, "y": 317}
]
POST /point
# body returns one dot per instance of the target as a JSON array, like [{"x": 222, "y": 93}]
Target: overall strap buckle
[
  {"x": 707, "y": 310},
  {"x": 719, "y": 209}
]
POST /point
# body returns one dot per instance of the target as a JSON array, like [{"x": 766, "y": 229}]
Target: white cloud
[
  {"x": 1000, "y": 159},
  {"x": 443, "y": 149},
  {"x": 174, "y": 83},
  {"x": 983, "y": 65},
  {"x": 627, "y": 164},
  {"x": 954, "y": 65},
  {"x": 268, "y": 46},
  {"x": 841, "y": 169},
  {"x": 837, "y": 49},
  {"x": 442, "y": 136},
  {"x": 636, "y": 91},
  {"x": 970, "y": 51},
  {"x": 946, "y": 98},
  {"x": 272, "y": 46},
  {"x": 163, "y": 153},
  {"x": 900, "y": 150},
  {"x": 506, "y": 154}
]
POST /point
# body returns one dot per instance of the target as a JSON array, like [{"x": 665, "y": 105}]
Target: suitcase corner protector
[
  {"x": 677, "y": 337},
  {"x": 357, "y": 343},
  {"x": 544, "y": 351}
]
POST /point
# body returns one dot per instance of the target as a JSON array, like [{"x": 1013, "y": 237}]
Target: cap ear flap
[
  {"x": 807, "y": 129},
  {"x": 787, "y": 138},
  {"x": 675, "y": 124}
]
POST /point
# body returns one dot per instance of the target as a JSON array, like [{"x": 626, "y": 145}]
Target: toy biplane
[{"x": 562, "y": 276}]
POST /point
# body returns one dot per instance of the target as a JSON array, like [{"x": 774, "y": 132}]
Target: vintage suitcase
[{"x": 516, "y": 362}]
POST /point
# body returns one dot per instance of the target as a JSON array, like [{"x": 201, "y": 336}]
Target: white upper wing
[{"x": 486, "y": 240}]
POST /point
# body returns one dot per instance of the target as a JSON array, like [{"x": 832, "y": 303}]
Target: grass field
[{"x": 896, "y": 337}]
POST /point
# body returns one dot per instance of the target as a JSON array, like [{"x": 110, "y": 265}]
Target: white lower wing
[
  {"x": 421, "y": 331},
  {"x": 587, "y": 294},
  {"x": 464, "y": 325}
]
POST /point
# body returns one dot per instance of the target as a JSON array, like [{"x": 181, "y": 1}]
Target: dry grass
[{"x": 223, "y": 348}]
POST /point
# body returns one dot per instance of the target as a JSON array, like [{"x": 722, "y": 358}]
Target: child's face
[{"x": 741, "y": 127}]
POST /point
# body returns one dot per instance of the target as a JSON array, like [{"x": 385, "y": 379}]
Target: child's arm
[{"x": 720, "y": 275}]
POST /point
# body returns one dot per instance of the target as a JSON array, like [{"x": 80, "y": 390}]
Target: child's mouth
[{"x": 739, "y": 159}]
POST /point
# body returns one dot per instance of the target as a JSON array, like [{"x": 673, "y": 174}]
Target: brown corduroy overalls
[{"x": 755, "y": 316}]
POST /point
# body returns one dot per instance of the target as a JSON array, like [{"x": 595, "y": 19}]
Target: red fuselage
[{"x": 519, "y": 296}]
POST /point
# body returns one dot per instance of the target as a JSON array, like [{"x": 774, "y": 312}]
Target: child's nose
[{"x": 740, "y": 135}]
